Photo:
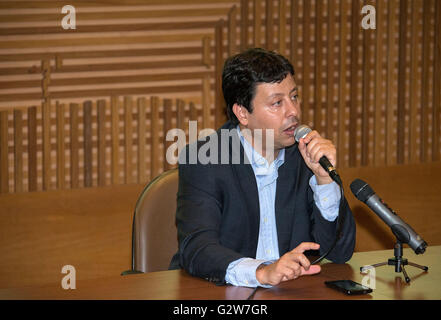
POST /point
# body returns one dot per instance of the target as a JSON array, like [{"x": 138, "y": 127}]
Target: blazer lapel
[
  {"x": 247, "y": 181},
  {"x": 285, "y": 197}
]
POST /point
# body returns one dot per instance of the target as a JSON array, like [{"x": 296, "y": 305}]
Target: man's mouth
[{"x": 290, "y": 130}]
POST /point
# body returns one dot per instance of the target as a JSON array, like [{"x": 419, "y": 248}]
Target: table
[{"x": 177, "y": 284}]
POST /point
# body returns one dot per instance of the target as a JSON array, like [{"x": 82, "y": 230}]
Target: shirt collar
[{"x": 256, "y": 159}]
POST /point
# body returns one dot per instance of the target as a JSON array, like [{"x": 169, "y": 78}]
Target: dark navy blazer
[{"x": 218, "y": 213}]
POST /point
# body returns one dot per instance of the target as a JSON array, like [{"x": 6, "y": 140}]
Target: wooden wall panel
[
  {"x": 107, "y": 145},
  {"x": 124, "y": 47},
  {"x": 386, "y": 107},
  {"x": 375, "y": 93}
]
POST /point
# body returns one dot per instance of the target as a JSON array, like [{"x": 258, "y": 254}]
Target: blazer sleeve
[{"x": 198, "y": 220}]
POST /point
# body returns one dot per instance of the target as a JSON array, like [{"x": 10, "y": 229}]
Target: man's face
[{"x": 276, "y": 106}]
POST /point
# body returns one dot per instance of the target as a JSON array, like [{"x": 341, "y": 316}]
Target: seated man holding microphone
[{"x": 251, "y": 222}]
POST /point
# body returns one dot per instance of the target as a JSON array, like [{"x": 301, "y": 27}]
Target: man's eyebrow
[{"x": 281, "y": 94}]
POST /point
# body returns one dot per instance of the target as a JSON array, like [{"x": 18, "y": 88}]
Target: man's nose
[{"x": 293, "y": 108}]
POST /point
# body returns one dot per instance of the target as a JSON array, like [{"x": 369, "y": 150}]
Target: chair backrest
[{"x": 154, "y": 235}]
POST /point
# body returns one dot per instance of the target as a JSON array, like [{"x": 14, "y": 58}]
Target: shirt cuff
[
  {"x": 326, "y": 197},
  {"x": 242, "y": 272}
]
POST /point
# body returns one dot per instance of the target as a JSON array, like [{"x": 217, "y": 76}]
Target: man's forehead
[{"x": 277, "y": 88}]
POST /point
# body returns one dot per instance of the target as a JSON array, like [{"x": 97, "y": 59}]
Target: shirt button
[
  {"x": 268, "y": 251},
  {"x": 265, "y": 220}
]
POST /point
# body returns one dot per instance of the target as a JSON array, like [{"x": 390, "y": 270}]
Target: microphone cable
[
  {"x": 338, "y": 234},
  {"x": 251, "y": 296},
  {"x": 340, "y": 220}
]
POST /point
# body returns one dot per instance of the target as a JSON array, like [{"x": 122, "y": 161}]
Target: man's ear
[{"x": 241, "y": 114}]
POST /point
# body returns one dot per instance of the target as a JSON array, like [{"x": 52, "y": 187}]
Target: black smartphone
[{"x": 348, "y": 286}]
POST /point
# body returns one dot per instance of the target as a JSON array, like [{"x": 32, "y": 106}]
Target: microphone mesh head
[
  {"x": 301, "y": 131},
  {"x": 361, "y": 190}
]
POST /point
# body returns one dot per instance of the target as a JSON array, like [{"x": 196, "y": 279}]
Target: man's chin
[
  {"x": 285, "y": 144},
  {"x": 289, "y": 141}
]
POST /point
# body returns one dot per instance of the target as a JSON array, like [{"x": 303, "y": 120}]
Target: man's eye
[
  {"x": 295, "y": 97},
  {"x": 277, "y": 103}
]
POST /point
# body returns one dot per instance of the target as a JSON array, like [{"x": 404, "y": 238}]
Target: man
[{"x": 249, "y": 222}]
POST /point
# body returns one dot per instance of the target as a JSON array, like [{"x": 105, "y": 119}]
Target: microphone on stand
[
  {"x": 404, "y": 233},
  {"x": 300, "y": 132}
]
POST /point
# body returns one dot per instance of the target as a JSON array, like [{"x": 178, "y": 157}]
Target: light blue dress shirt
[{"x": 242, "y": 272}]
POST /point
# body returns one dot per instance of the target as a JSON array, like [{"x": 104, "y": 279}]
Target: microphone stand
[{"x": 397, "y": 261}]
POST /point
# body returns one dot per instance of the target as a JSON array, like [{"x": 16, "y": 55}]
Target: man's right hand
[{"x": 290, "y": 266}]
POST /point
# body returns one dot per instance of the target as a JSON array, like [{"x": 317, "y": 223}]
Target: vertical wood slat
[
  {"x": 330, "y": 70},
  {"x": 46, "y": 79},
  {"x": 206, "y": 51},
  {"x": 317, "y": 67},
  {"x": 168, "y": 105},
  {"x": 101, "y": 142},
  {"x": 154, "y": 134},
  {"x": 342, "y": 85},
  {"x": 219, "y": 103},
  {"x": 32, "y": 148},
  {"x": 87, "y": 143},
  {"x": 282, "y": 27},
  {"x": 18, "y": 150},
  {"x": 379, "y": 89},
  {"x": 424, "y": 126},
  {"x": 180, "y": 124},
  {"x": 142, "y": 170},
  {"x": 61, "y": 158},
  {"x": 74, "y": 146},
  {"x": 193, "y": 112},
  {"x": 114, "y": 104},
  {"x": 413, "y": 104},
  {"x": 436, "y": 131},
  {"x": 401, "y": 105},
  {"x": 243, "y": 24},
  {"x": 353, "y": 111},
  {"x": 4, "y": 152},
  {"x": 306, "y": 61},
  {"x": 180, "y": 114},
  {"x": 232, "y": 30},
  {"x": 269, "y": 40},
  {"x": 58, "y": 62},
  {"x": 365, "y": 98},
  {"x": 390, "y": 105},
  {"x": 128, "y": 140},
  {"x": 192, "y": 136},
  {"x": 257, "y": 36},
  {"x": 46, "y": 114},
  {"x": 294, "y": 31},
  {"x": 46, "y": 124},
  {"x": 206, "y": 102}
]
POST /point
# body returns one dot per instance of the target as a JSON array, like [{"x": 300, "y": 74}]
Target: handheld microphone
[
  {"x": 300, "y": 132},
  {"x": 404, "y": 233}
]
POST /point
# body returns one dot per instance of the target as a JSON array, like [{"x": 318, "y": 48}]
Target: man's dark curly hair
[{"x": 244, "y": 71}]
